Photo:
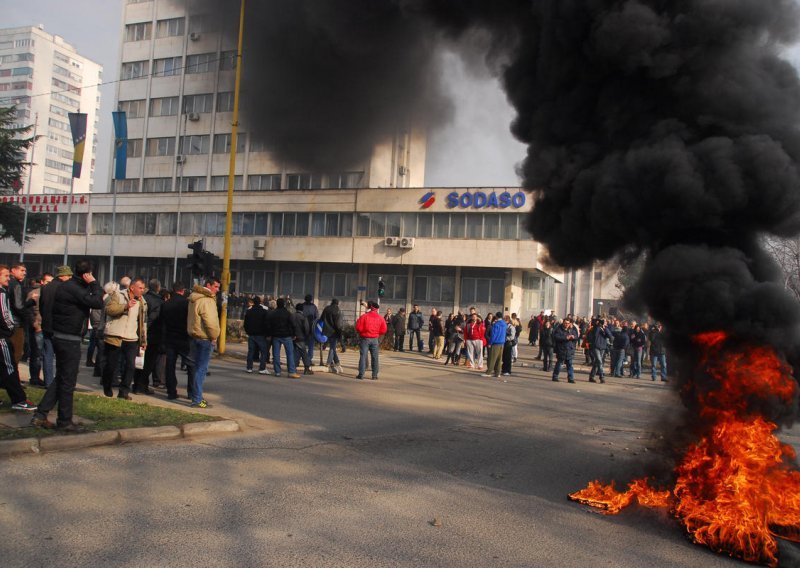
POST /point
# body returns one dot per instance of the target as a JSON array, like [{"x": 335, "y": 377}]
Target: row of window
[
  {"x": 169, "y": 106},
  {"x": 258, "y": 182},
  {"x": 171, "y": 27},
  {"x": 17, "y": 72},
  {"x": 170, "y": 66},
  {"x": 424, "y": 225}
]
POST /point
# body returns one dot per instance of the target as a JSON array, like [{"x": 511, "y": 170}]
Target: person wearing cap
[
  {"x": 398, "y": 323},
  {"x": 68, "y": 314},
  {"x": 47, "y": 299},
  {"x": 370, "y": 326}
]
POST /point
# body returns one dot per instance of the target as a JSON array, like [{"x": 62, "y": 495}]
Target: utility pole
[{"x": 226, "y": 256}]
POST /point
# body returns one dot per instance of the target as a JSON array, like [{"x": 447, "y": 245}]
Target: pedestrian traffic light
[
  {"x": 210, "y": 263},
  {"x": 381, "y": 288},
  {"x": 197, "y": 260}
]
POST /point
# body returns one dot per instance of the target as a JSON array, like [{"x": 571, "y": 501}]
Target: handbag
[{"x": 139, "y": 361}]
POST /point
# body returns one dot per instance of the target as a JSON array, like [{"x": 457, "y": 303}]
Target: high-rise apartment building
[
  {"x": 176, "y": 86},
  {"x": 46, "y": 78}
]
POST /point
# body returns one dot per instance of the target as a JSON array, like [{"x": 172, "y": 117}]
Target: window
[
  {"x": 345, "y": 224},
  {"x": 134, "y": 70},
  {"x": 157, "y": 185},
  {"x": 264, "y": 182},
  {"x": 257, "y": 145},
  {"x": 227, "y": 61},
  {"x": 409, "y": 228},
  {"x": 167, "y": 106},
  {"x": 126, "y": 185},
  {"x": 362, "y": 224},
  {"x": 220, "y": 183},
  {"x": 491, "y": 226},
  {"x": 195, "y": 145},
  {"x": 225, "y": 104},
  {"x": 193, "y": 183},
  {"x": 133, "y": 109},
  {"x": 170, "y": 28},
  {"x": 434, "y": 289},
  {"x": 200, "y": 23},
  {"x": 298, "y": 181},
  {"x": 222, "y": 143},
  {"x": 508, "y": 227},
  {"x": 101, "y": 223},
  {"x": 167, "y": 67},
  {"x": 458, "y": 225},
  {"x": 58, "y": 165},
  {"x": 134, "y": 148},
  {"x": 160, "y": 147},
  {"x": 345, "y": 180},
  {"x": 200, "y": 63},
  {"x": 296, "y": 284},
  {"x": 338, "y": 285},
  {"x": 396, "y": 286},
  {"x": 482, "y": 291},
  {"x": 198, "y": 103},
  {"x": 425, "y": 225},
  {"x": 138, "y": 32},
  {"x": 393, "y": 224},
  {"x": 474, "y": 226},
  {"x": 441, "y": 225},
  {"x": 377, "y": 224},
  {"x": 318, "y": 225},
  {"x": 167, "y": 224},
  {"x": 61, "y": 125},
  {"x": 28, "y": 72}
]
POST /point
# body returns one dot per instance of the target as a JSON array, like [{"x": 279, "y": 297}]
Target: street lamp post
[{"x": 226, "y": 256}]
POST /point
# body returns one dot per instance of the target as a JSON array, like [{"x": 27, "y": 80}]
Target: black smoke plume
[{"x": 666, "y": 127}]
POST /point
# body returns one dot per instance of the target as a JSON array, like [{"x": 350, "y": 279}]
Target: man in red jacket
[{"x": 370, "y": 327}]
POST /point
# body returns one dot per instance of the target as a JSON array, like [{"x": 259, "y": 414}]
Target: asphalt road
[{"x": 337, "y": 472}]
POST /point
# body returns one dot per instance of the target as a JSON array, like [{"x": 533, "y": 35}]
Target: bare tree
[{"x": 786, "y": 253}]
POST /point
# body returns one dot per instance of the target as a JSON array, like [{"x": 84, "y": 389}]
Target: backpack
[{"x": 319, "y": 336}]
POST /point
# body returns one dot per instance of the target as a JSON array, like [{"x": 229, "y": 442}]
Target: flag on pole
[
  {"x": 77, "y": 123},
  {"x": 120, "y": 143}
]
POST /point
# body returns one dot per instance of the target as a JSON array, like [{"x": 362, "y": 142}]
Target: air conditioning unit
[
  {"x": 194, "y": 36},
  {"x": 259, "y": 253},
  {"x": 194, "y": 116},
  {"x": 407, "y": 243},
  {"x": 180, "y": 159},
  {"x": 391, "y": 241},
  {"x": 259, "y": 243}
]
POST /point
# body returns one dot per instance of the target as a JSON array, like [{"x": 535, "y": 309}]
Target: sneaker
[
  {"x": 42, "y": 423},
  {"x": 201, "y": 404},
  {"x": 248, "y": 370},
  {"x": 294, "y": 376},
  {"x": 339, "y": 369},
  {"x": 333, "y": 369},
  {"x": 359, "y": 378},
  {"x": 486, "y": 375},
  {"x": 262, "y": 372},
  {"x": 25, "y": 405},
  {"x": 308, "y": 372},
  {"x": 506, "y": 374}
]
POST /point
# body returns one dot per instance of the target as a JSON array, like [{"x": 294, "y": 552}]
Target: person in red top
[
  {"x": 474, "y": 336},
  {"x": 370, "y": 327}
]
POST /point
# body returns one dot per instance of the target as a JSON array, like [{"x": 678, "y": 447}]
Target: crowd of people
[{"x": 139, "y": 332}]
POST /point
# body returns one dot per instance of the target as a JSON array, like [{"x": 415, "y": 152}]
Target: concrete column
[
  {"x": 410, "y": 289},
  {"x": 513, "y": 296},
  {"x": 317, "y": 279},
  {"x": 457, "y": 288}
]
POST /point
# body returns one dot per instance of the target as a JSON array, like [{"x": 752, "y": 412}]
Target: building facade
[{"x": 46, "y": 78}]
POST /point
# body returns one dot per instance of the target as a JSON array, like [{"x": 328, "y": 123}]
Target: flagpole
[
  {"x": 28, "y": 204},
  {"x": 226, "y": 257},
  {"x": 69, "y": 218}
]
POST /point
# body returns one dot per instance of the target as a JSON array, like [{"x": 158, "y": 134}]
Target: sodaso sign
[{"x": 481, "y": 200}]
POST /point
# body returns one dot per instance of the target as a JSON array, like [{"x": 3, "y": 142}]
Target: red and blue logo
[{"x": 427, "y": 200}]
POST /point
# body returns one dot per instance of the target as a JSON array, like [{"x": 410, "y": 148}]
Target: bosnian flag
[
  {"x": 77, "y": 124},
  {"x": 427, "y": 200}
]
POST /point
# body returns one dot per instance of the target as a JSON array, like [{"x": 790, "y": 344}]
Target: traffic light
[
  {"x": 381, "y": 288},
  {"x": 197, "y": 260},
  {"x": 210, "y": 263}
]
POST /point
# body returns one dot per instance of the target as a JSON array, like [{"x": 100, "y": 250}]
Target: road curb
[
  {"x": 23, "y": 446},
  {"x": 69, "y": 442},
  {"x": 152, "y": 433},
  {"x": 203, "y": 428}
]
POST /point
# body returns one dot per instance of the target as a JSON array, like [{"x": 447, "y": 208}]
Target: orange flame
[{"x": 736, "y": 489}]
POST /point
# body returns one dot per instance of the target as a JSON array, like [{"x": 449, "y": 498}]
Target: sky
[{"x": 475, "y": 149}]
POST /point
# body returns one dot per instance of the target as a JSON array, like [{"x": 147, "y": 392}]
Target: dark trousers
[
  {"x": 418, "y": 334},
  {"x": 302, "y": 354},
  {"x": 547, "y": 358},
  {"x": 173, "y": 351},
  {"x": 507, "y": 351},
  {"x": 62, "y": 389},
  {"x": 127, "y": 351},
  {"x": 398, "y": 342},
  {"x": 35, "y": 349},
  {"x": 9, "y": 373},
  {"x": 142, "y": 376}
]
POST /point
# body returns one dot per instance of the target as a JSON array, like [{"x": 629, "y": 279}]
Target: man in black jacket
[
  {"x": 279, "y": 322},
  {"x": 658, "y": 351},
  {"x": 155, "y": 337},
  {"x": 565, "y": 340},
  {"x": 332, "y": 327},
  {"x": 69, "y": 315},
  {"x": 600, "y": 338},
  {"x": 302, "y": 330},
  {"x": 9, "y": 372},
  {"x": 174, "y": 315},
  {"x": 20, "y": 308},
  {"x": 415, "y": 323},
  {"x": 255, "y": 326},
  {"x": 311, "y": 313}
]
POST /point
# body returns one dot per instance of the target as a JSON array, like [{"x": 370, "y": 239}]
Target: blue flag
[
  {"x": 77, "y": 123},
  {"x": 120, "y": 143}
]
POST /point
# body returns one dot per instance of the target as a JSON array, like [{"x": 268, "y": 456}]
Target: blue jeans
[
  {"x": 310, "y": 344},
  {"x": 48, "y": 361},
  {"x": 411, "y": 334},
  {"x": 597, "y": 363},
  {"x": 288, "y": 347},
  {"x": 368, "y": 345},
  {"x": 201, "y": 355},
  {"x": 619, "y": 361},
  {"x": 636, "y": 362},
  {"x": 260, "y": 342},
  {"x": 35, "y": 349},
  {"x": 333, "y": 356},
  {"x": 570, "y": 370},
  {"x": 654, "y": 359}
]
